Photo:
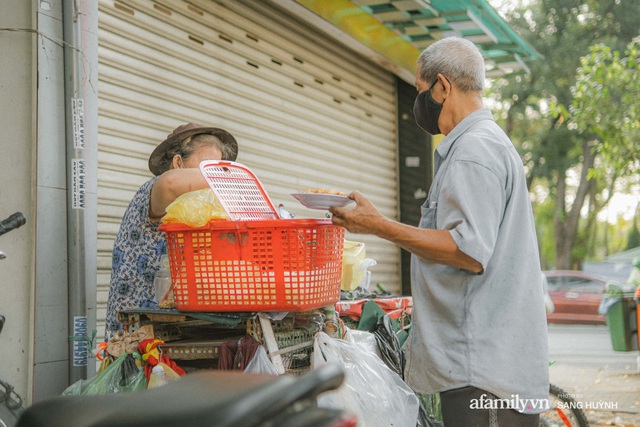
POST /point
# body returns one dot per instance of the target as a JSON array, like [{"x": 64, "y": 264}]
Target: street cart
[{"x": 253, "y": 263}]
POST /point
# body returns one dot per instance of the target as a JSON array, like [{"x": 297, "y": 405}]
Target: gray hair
[{"x": 456, "y": 58}]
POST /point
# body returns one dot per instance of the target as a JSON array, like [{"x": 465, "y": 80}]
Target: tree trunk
[
  {"x": 566, "y": 221},
  {"x": 563, "y": 251}
]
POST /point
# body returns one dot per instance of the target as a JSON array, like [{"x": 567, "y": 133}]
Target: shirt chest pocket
[{"x": 429, "y": 217}]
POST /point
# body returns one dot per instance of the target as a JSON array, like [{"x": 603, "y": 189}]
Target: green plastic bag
[{"x": 121, "y": 375}]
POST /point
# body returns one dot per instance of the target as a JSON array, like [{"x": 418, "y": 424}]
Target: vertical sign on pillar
[
  {"x": 80, "y": 354},
  {"x": 77, "y": 165},
  {"x": 80, "y": 346}
]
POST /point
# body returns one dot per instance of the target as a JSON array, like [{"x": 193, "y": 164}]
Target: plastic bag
[
  {"x": 76, "y": 388},
  {"x": 390, "y": 348},
  {"x": 424, "y": 416},
  {"x": 119, "y": 376},
  {"x": 195, "y": 209},
  {"x": 237, "y": 355},
  {"x": 260, "y": 364},
  {"x": 162, "y": 285},
  {"x": 366, "y": 340},
  {"x": 606, "y": 303},
  {"x": 371, "y": 391},
  {"x": 634, "y": 276},
  {"x": 164, "y": 376},
  {"x": 549, "y": 307}
]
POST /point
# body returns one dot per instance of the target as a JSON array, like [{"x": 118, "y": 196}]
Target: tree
[
  {"x": 605, "y": 105},
  {"x": 633, "y": 241},
  {"x": 560, "y": 158}
]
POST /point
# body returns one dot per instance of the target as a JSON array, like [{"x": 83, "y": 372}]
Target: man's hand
[
  {"x": 364, "y": 218},
  {"x": 431, "y": 245}
]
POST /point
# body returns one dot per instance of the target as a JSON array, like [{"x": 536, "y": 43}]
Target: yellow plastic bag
[{"x": 195, "y": 209}]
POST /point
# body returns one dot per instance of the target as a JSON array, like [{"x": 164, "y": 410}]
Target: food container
[
  {"x": 253, "y": 264},
  {"x": 162, "y": 281},
  {"x": 355, "y": 267},
  {"x": 354, "y": 255}
]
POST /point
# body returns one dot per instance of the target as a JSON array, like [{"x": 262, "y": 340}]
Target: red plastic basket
[
  {"x": 259, "y": 265},
  {"x": 239, "y": 190}
]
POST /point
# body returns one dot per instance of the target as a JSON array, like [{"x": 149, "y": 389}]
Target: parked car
[{"x": 576, "y": 297}]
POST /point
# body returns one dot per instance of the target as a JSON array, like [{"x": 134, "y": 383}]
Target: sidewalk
[{"x": 590, "y": 371}]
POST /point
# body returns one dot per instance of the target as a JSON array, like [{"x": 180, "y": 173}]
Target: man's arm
[{"x": 432, "y": 245}]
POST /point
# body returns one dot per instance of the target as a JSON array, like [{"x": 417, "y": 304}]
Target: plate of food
[{"x": 322, "y": 199}]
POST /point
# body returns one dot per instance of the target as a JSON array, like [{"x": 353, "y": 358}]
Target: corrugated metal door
[
  {"x": 307, "y": 112},
  {"x": 416, "y": 169}
]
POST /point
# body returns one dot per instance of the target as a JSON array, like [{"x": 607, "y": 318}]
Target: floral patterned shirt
[{"x": 136, "y": 259}]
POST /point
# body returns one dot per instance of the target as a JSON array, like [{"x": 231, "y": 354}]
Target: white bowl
[{"x": 321, "y": 201}]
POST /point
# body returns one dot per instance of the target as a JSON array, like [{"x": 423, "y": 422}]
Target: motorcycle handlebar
[{"x": 14, "y": 221}]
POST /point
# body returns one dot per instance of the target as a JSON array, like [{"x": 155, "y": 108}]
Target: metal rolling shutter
[{"x": 307, "y": 112}]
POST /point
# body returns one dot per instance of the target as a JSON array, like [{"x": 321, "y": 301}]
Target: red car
[{"x": 576, "y": 297}]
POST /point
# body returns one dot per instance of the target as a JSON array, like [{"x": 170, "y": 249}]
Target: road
[{"x": 588, "y": 369}]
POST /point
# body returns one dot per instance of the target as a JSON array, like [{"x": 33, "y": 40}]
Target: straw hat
[{"x": 158, "y": 162}]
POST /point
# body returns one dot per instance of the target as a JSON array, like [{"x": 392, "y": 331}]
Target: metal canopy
[
  {"x": 423, "y": 22},
  {"x": 400, "y": 29}
]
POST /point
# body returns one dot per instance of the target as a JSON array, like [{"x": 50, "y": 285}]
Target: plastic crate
[
  {"x": 239, "y": 190},
  {"x": 259, "y": 265}
]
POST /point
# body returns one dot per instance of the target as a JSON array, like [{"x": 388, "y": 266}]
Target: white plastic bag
[
  {"x": 162, "y": 374},
  {"x": 260, "y": 364},
  {"x": 366, "y": 340},
  {"x": 371, "y": 391}
]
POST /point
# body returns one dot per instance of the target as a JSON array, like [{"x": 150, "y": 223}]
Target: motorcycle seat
[{"x": 202, "y": 398}]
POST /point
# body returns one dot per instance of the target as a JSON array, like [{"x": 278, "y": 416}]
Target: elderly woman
[{"x": 139, "y": 245}]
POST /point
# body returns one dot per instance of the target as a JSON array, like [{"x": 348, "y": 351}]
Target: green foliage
[
  {"x": 633, "y": 240},
  {"x": 605, "y": 103},
  {"x": 612, "y": 238},
  {"x": 543, "y": 212},
  {"x": 539, "y": 112}
]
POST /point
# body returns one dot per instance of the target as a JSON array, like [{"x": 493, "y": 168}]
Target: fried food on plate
[{"x": 323, "y": 191}]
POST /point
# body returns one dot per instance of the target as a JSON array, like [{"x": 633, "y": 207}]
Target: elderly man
[{"x": 479, "y": 334}]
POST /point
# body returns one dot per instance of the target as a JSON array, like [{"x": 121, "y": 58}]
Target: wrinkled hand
[{"x": 364, "y": 218}]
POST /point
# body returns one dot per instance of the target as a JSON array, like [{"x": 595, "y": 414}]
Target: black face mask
[{"x": 426, "y": 111}]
